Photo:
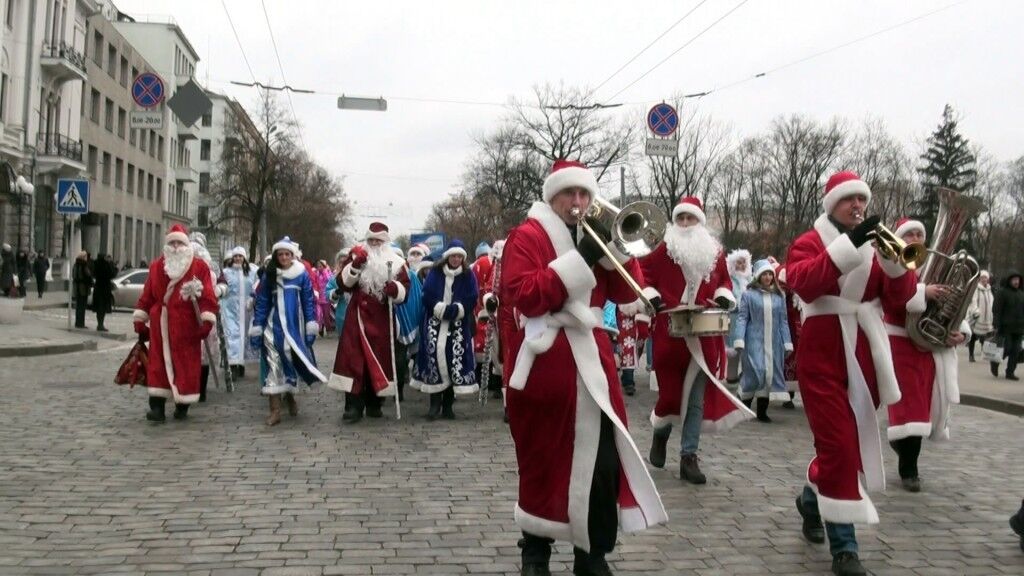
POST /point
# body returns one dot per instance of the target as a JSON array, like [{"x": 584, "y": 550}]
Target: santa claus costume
[
  {"x": 284, "y": 328},
  {"x": 738, "y": 263},
  {"x": 688, "y": 268},
  {"x": 927, "y": 379},
  {"x": 633, "y": 331},
  {"x": 211, "y": 345},
  {"x": 844, "y": 363},
  {"x": 581, "y": 476},
  {"x": 236, "y": 305},
  {"x": 364, "y": 367},
  {"x": 165, "y": 312},
  {"x": 445, "y": 364}
]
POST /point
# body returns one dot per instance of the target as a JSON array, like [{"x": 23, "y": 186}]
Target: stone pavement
[{"x": 87, "y": 486}]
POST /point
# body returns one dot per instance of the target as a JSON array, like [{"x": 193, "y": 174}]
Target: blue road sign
[
  {"x": 434, "y": 240},
  {"x": 72, "y": 196},
  {"x": 148, "y": 90},
  {"x": 662, "y": 119}
]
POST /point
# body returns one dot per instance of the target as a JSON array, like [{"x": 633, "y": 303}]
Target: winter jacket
[
  {"x": 81, "y": 274},
  {"x": 980, "y": 312},
  {"x": 1008, "y": 308},
  {"x": 7, "y": 272},
  {"x": 40, "y": 266},
  {"x": 103, "y": 295}
]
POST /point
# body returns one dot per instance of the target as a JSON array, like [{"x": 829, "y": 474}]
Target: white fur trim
[
  {"x": 909, "y": 226},
  {"x": 209, "y": 317},
  {"x": 891, "y": 269},
  {"x": 848, "y": 188},
  {"x": 274, "y": 390},
  {"x": 461, "y": 313},
  {"x": 844, "y": 254},
  {"x": 574, "y": 273},
  {"x": 431, "y": 388},
  {"x": 219, "y": 290},
  {"x": 739, "y": 343},
  {"x": 160, "y": 392},
  {"x": 540, "y": 526},
  {"x": 139, "y": 315},
  {"x": 689, "y": 209},
  {"x": 634, "y": 308},
  {"x": 726, "y": 422},
  {"x": 651, "y": 293},
  {"x": 285, "y": 245},
  {"x": 660, "y": 422},
  {"x": 294, "y": 271},
  {"x": 349, "y": 276},
  {"x": 255, "y": 331},
  {"x": 340, "y": 383},
  {"x": 467, "y": 389},
  {"x": 439, "y": 310},
  {"x": 846, "y": 511},
  {"x": 383, "y": 236},
  {"x": 723, "y": 291},
  {"x": 788, "y": 346},
  {"x": 567, "y": 178},
  {"x": 923, "y": 429},
  {"x": 400, "y": 297},
  {"x": 176, "y": 236},
  {"x": 312, "y": 327},
  {"x": 454, "y": 250},
  {"x": 642, "y": 318},
  {"x": 917, "y": 303}
]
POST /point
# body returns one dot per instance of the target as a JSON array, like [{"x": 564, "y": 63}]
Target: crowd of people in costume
[{"x": 544, "y": 321}]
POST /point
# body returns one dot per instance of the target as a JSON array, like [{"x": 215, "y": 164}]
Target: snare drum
[{"x": 697, "y": 321}]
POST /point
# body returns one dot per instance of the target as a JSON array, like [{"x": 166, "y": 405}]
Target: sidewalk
[
  {"x": 979, "y": 388},
  {"x": 44, "y": 330}
]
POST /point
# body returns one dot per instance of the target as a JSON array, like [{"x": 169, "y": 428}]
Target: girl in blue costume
[
  {"x": 236, "y": 306},
  {"x": 445, "y": 363},
  {"x": 762, "y": 329},
  {"x": 284, "y": 328}
]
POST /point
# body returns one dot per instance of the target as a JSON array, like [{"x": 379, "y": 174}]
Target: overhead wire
[
  {"x": 238, "y": 40},
  {"x": 280, "y": 67}
]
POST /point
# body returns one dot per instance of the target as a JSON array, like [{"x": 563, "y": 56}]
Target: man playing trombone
[
  {"x": 581, "y": 476},
  {"x": 844, "y": 363}
]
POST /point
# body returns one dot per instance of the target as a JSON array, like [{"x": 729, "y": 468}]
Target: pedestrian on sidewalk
[
  {"x": 980, "y": 312},
  {"x": 8, "y": 272},
  {"x": 82, "y": 283},
  {"x": 284, "y": 328},
  {"x": 165, "y": 312},
  {"x": 844, "y": 364},
  {"x": 446, "y": 363},
  {"x": 40, "y": 267},
  {"x": 103, "y": 294},
  {"x": 763, "y": 340},
  {"x": 1008, "y": 319},
  {"x": 24, "y": 267}
]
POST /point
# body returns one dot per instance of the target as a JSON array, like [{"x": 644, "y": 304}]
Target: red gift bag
[{"x": 133, "y": 369}]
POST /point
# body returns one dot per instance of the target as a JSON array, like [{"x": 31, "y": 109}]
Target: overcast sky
[{"x": 398, "y": 163}]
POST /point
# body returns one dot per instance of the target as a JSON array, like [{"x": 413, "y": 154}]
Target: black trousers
[
  {"x": 975, "y": 338},
  {"x": 603, "y": 515},
  {"x": 204, "y": 379},
  {"x": 365, "y": 399},
  {"x": 1011, "y": 351},
  {"x": 80, "y": 303},
  {"x": 40, "y": 285},
  {"x": 908, "y": 449}
]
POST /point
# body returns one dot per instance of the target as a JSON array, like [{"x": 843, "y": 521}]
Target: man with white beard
[
  {"x": 363, "y": 366},
  {"x": 688, "y": 268},
  {"x": 166, "y": 306},
  {"x": 738, "y": 263}
]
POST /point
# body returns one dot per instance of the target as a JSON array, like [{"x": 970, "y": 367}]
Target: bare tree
[
  {"x": 468, "y": 218},
  {"x": 310, "y": 206},
  {"x": 883, "y": 163}
]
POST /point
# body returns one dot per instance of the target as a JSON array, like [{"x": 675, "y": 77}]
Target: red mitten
[
  {"x": 358, "y": 255},
  {"x": 142, "y": 330},
  {"x": 391, "y": 289}
]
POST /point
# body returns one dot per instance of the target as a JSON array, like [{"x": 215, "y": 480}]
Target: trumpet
[{"x": 891, "y": 247}]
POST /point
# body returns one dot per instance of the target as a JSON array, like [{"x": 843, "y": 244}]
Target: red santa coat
[
  {"x": 927, "y": 380},
  {"x": 483, "y": 269},
  {"x": 365, "y": 342},
  {"x": 562, "y": 377},
  {"x": 678, "y": 361},
  {"x": 844, "y": 363},
  {"x": 175, "y": 352}
]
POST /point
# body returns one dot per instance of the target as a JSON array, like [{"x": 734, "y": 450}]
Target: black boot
[
  {"x": 353, "y": 408},
  {"x": 434, "y": 412},
  {"x": 536, "y": 555},
  {"x": 658, "y": 448},
  {"x": 373, "y": 407},
  {"x": 762, "y": 410},
  {"x": 689, "y": 470},
  {"x": 908, "y": 449},
  {"x": 847, "y": 564},
  {"x": 812, "y": 528},
  {"x": 204, "y": 378},
  {"x": 788, "y": 404},
  {"x": 180, "y": 411},
  {"x": 447, "y": 400},
  {"x": 156, "y": 409},
  {"x": 584, "y": 564},
  {"x": 1017, "y": 524},
  {"x": 993, "y": 367}
]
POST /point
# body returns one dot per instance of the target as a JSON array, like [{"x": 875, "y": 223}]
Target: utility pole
[{"x": 622, "y": 186}]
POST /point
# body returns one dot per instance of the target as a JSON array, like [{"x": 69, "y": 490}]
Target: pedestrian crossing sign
[{"x": 72, "y": 196}]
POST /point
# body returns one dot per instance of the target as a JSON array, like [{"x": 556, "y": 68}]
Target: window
[
  {"x": 131, "y": 136},
  {"x": 149, "y": 238},
  {"x": 204, "y": 150},
  {"x": 160, "y": 148},
  {"x": 159, "y": 196},
  {"x": 93, "y": 159},
  {"x": 143, "y": 137},
  {"x": 152, "y": 143},
  {"x": 204, "y": 182},
  {"x": 138, "y": 278},
  {"x": 159, "y": 187},
  {"x": 122, "y": 121},
  {"x": 97, "y": 49},
  {"x": 112, "y": 61},
  {"x": 130, "y": 176},
  {"x": 5, "y": 82},
  {"x": 106, "y": 168},
  {"x": 138, "y": 238},
  {"x": 141, "y": 183},
  {"x": 203, "y": 217},
  {"x": 128, "y": 229},
  {"x": 117, "y": 238},
  {"x": 108, "y": 114},
  {"x": 124, "y": 72},
  {"x": 208, "y": 119},
  {"x": 119, "y": 174},
  {"x": 94, "y": 112},
  {"x": 149, "y": 186}
]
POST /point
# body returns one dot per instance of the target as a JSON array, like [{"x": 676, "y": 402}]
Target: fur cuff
[
  {"x": 400, "y": 297},
  {"x": 312, "y": 327},
  {"x": 642, "y": 318},
  {"x": 727, "y": 293},
  {"x": 917, "y": 303},
  {"x": 651, "y": 293},
  {"x": 255, "y": 331},
  {"x": 140, "y": 316},
  {"x": 633, "y": 308},
  {"x": 220, "y": 290},
  {"x": 461, "y": 313},
  {"x": 209, "y": 317},
  {"x": 891, "y": 269},
  {"x": 574, "y": 273},
  {"x": 844, "y": 254},
  {"x": 788, "y": 346},
  {"x": 439, "y": 310},
  {"x": 739, "y": 343},
  {"x": 349, "y": 276}
]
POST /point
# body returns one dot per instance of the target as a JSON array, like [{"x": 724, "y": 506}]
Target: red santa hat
[
  {"x": 690, "y": 205},
  {"x": 567, "y": 174},
  {"x": 843, "y": 184},
  {"x": 421, "y": 248},
  {"x": 378, "y": 231},
  {"x": 177, "y": 232},
  {"x": 905, "y": 225}
]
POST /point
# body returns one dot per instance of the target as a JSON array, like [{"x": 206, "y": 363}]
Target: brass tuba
[{"x": 957, "y": 270}]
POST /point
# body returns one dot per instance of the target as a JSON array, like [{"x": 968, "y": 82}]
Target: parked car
[{"x": 127, "y": 288}]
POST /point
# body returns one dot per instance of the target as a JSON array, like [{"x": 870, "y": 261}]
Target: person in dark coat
[
  {"x": 82, "y": 279},
  {"x": 7, "y": 271},
  {"x": 103, "y": 295},
  {"x": 39, "y": 268},
  {"x": 1008, "y": 318},
  {"x": 23, "y": 272}
]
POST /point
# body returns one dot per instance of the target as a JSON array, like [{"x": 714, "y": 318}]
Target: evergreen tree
[{"x": 948, "y": 162}]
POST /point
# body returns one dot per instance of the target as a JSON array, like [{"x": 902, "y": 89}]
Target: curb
[
  {"x": 107, "y": 335},
  {"x": 994, "y": 404},
  {"x": 44, "y": 306},
  {"x": 47, "y": 349}
]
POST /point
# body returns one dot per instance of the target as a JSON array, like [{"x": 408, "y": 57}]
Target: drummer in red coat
[
  {"x": 844, "y": 363},
  {"x": 689, "y": 268},
  {"x": 175, "y": 356},
  {"x": 581, "y": 476},
  {"x": 928, "y": 380}
]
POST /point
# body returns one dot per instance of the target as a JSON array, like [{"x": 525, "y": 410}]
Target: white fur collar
[
  {"x": 556, "y": 229},
  {"x": 452, "y": 273},
  {"x": 296, "y": 269},
  {"x": 826, "y": 229}
]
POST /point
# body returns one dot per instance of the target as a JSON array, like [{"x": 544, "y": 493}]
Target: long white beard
[
  {"x": 375, "y": 272},
  {"x": 745, "y": 275},
  {"x": 177, "y": 261},
  {"x": 694, "y": 248}
]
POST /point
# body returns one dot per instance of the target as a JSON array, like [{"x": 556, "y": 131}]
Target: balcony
[
  {"x": 63, "y": 63},
  {"x": 186, "y": 132},
  {"x": 56, "y": 152},
  {"x": 186, "y": 174}
]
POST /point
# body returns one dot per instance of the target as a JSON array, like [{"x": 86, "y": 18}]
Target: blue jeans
[
  {"x": 690, "y": 438},
  {"x": 841, "y": 537},
  {"x": 649, "y": 352}
]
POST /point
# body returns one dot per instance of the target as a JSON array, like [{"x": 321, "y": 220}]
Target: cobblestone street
[{"x": 87, "y": 486}]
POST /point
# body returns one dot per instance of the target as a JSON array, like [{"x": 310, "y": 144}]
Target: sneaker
[
  {"x": 847, "y": 564},
  {"x": 812, "y": 529}
]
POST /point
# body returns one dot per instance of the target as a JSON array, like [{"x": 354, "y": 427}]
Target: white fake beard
[
  {"x": 177, "y": 261},
  {"x": 693, "y": 248},
  {"x": 746, "y": 275},
  {"x": 375, "y": 272}
]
